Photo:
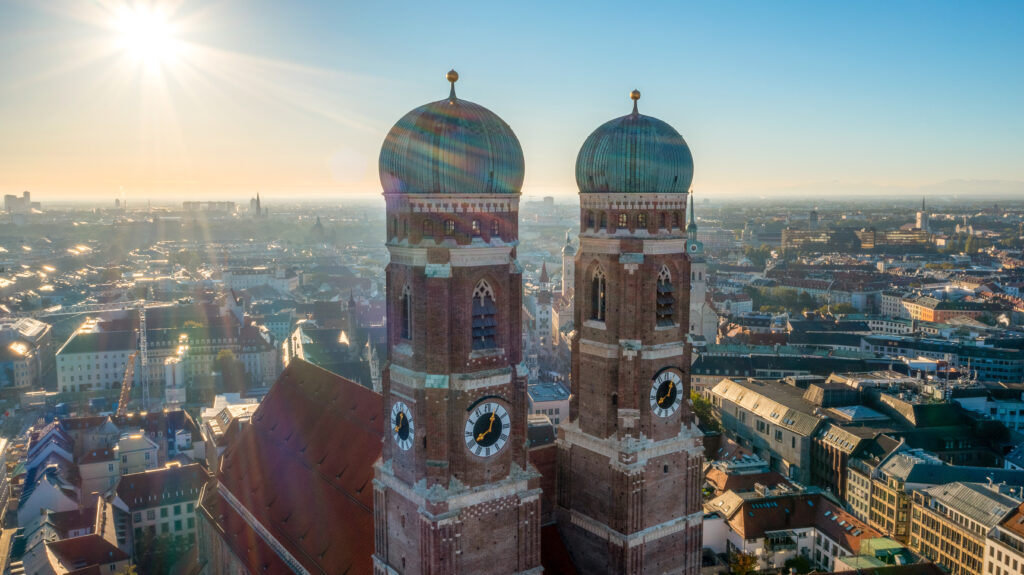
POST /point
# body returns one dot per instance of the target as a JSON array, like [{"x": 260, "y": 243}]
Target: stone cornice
[
  {"x": 650, "y": 201},
  {"x": 630, "y": 453},
  {"x": 454, "y": 204},
  {"x": 458, "y": 496},
  {"x": 648, "y": 535}
]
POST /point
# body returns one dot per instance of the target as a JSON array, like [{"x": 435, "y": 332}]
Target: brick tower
[
  {"x": 629, "y": 461},
  {"x": 453, "y": 492}
]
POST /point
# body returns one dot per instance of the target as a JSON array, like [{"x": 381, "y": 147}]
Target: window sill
[
  {"x": 666, "y": 327},
  {"x": 482, "y": 353},
  {"x": 595, "y": 324}
]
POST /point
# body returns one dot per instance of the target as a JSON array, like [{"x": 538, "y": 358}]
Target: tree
[
  {"x": 705, "y": 412},
  {"x": 800, "y": 563},
  {"x": 231, "y": 370},
  {"x": 742, "y": 563}
]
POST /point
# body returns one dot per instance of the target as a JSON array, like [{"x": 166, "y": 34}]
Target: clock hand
[
  {"x": 671, "y": 386},
  {"x": 401, "y": 416},
  {"x": 488, "y": 432}
]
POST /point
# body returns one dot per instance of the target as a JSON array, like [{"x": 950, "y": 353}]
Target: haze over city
[
  {"x": 188, "y": 99},
  {"x": 457, "y": 288}
]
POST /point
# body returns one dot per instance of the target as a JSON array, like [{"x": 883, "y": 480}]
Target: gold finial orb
[
  {"x": 634, "y": 95},
  {"x": 452, "y": 76}
]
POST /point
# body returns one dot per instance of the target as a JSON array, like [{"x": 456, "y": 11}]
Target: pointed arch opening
[
  {"x": 666, "y": 301},
  {"x": 485, "y": 317},
  {"x": 604, "y": 220},
  {"x": 598, "y": 295}
]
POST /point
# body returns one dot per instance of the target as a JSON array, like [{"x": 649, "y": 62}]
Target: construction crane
[
  {"x": 126, "y": 386},
  {"x": 143, "y": 355}
]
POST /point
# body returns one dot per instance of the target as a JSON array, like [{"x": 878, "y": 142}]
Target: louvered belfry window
[
  {"x": 485, "y": 317},
  {"x": 666, "y": 302}
]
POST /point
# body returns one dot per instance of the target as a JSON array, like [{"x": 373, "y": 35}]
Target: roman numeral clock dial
[
  {"x": 666, "y": 393},
  {"x": 401, "y": 425},
  {"x": 487, "y": 429}
]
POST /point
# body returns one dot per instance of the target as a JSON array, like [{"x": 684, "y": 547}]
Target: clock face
[
  {"x": 666, "y": 393},
  {"x": 487, "y": 429},
  {"x": 401, "y": 425}
]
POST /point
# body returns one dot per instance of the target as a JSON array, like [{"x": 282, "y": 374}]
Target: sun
[{"x": 145, "y": 33}]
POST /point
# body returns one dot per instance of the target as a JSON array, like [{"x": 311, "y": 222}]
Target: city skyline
[{"x": 188, "y": 100}]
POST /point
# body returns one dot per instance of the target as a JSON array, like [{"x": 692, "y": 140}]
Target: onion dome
[
  {"x": 451, "y": 146},
  {"x": 634, "y": 154}
]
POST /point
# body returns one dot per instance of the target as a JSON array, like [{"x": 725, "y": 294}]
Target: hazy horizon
[{"x": 187, "y": 100}]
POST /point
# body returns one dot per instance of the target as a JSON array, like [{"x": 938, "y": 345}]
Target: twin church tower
[{"x": 454, "y": 491}]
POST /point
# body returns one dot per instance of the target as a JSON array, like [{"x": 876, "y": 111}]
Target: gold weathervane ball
[
  {"x": 634, "y": 95},
  {"x": 452, "y": 76}
]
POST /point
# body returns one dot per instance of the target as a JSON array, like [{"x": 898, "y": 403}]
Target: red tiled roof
[
  {"x": 86, "y": 550},
  {"x": 162, "y": 486},
  {"x": 304, "y": 469},
  {"x": 754, "y": 517},
  {"x": 97, "y": 455},
  {"x": 723, "y": 481}
]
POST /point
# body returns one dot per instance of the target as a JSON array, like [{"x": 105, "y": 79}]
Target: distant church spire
[
  {"x": 544, "y": 279},
  {"x": 691, "y": 228}
]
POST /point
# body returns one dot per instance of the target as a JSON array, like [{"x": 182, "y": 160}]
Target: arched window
[
  {"x": 590, "y": 220},
  {"x": 598, "y": 295},
  {"x": 406, "y": 311},
  {"x": 485, "y": 317},
  {"x": 676, "y": 218},
  {"x": 476, "y": 228},
  {"x": 623, "y": 220},
  {"x": 666, "y": 302},
  {"x": 641, "y": 221},
  {"x": 495, "y": 228},
  {"x": 394, "y": 226},
  {"x": 428, "y": 229},
  {"x": 449, "y": 227},
  {"x": 604, "y": 221},
  {"x": 664, "y": 221},
  {"x": 405, "y": 227}
]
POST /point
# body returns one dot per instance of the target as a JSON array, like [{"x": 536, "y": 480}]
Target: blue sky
[{"x": 295, "y": 97}]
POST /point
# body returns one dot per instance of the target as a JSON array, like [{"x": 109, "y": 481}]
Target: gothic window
[
  {"x": 394, "y": 226},
  {"x": 590, "y": 220},
  {"x": 623, "y": 220},
  {"x": 598, "y": 295},
  {"x": 428, "y": 229},
  {"x": 406, "y": 302},
  {"x": 449, "y": 227},
  {"x": 495, "y": 228},
  {"x": 676, "y": 218},
  {"x": 604, "y": 221},
  {"x": 641, "y": 221},
  {"x": 666, "y": 300},
  {"x": 664, "y": 220},
  {"x": 485, "y": 321},
  {"x": 476, "y": 228},
  {"x": 405, "y": 227}
]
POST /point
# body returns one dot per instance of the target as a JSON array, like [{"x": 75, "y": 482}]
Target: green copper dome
[
  {"x": 451, "y": 146},
  {"x": 634, "y": 154}
]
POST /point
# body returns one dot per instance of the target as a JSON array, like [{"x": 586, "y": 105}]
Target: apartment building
[{"x": 950, "y": 523}]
